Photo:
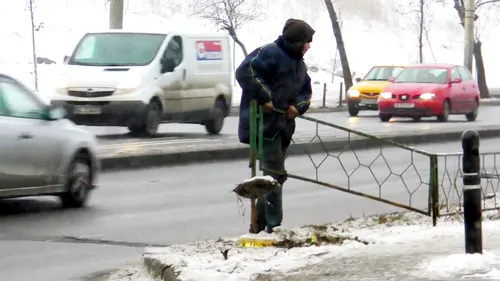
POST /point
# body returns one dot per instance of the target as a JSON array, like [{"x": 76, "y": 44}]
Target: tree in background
[
  {"x": 34, "y": 28},
  {"x": 459, "y": 6},
  {"x": 424, "y": 17},
  {"x": 228, "y": 15},
  {"x": 337, "y": 32}
]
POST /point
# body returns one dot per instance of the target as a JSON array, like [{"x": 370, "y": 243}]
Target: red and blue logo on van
[{"x": 209, "y": 50}]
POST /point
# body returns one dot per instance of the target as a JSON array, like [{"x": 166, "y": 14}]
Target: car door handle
[{"x": 25, "y": 136}]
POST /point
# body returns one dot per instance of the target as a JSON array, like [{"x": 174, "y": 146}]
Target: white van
[{"x": 142, "y": 79}]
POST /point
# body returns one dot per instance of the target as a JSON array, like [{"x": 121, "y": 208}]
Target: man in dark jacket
[{"x": 275, "y": 75}]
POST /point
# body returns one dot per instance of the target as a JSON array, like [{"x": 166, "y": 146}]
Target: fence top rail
[
  {"x": 452, "y": 154},
  {"x": 359, "y": 133},
  {"x": 382, "y": 140},
  {"x": 448, "y": 154}
]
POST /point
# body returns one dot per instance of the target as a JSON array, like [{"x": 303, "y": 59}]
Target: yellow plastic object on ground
[{"x": 256, "y": 241}]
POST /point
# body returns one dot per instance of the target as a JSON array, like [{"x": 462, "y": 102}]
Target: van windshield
[{"x": 117, "y": 49}]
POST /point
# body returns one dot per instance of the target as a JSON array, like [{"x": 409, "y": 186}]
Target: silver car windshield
[{"x": 117, "y": 49}]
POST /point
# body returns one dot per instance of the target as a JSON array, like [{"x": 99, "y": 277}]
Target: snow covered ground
[{"x": 401, "y": 246}]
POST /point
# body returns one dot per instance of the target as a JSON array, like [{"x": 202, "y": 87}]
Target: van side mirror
[
  {"x": 66, "y": 59},
  {"x": 391, "y": 79},
  {"x": 358, "y": 80},
  {"x": 167, "y": 65}
]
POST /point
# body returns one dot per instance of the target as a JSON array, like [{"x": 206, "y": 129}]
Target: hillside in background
[{"x": 374, "y": 31}]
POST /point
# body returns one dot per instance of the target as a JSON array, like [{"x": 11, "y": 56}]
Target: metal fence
[{"x": 379, "y": 169}]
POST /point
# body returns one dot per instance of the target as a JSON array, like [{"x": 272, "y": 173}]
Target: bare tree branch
[
  {"x": 480, "y": 3},
  {"x": 420, "y": 8},
  {"x": 426, "y": 30},
  {"x": 228, "y": 15}
]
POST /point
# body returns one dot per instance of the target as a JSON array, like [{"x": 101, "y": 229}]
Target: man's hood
[{"x": 298, "y": 31}]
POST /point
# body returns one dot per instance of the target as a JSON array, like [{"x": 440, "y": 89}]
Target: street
[
  {"x": 180, "y": 136},
  {"x": 179, "y": 204}
]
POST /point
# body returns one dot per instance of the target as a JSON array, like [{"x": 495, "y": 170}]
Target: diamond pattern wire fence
[
  {"x": 379, "y": 169},
  {"x": 451, "y": 183}
]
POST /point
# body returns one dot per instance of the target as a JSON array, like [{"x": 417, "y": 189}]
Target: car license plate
[
  {"x": 369, "y": 101},
  {"x": 87, "y": 110},
  {"x": 404, "y": 105}
]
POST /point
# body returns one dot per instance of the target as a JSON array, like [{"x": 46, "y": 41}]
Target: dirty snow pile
[
  {"x": 302, "y": 248},
  {"x": 132, "y": 273}
]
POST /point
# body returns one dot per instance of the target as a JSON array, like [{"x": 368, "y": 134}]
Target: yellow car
[{"x": 364, "y": 95}]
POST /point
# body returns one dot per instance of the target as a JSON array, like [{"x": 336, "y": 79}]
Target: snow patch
[
  {"x": 204, "y": 259},
  {"x": 493, "y": 274},
  {"x": 377, "y": 235},
  {"x": 459, "y": 264},
  {"x": 257, "y": 178}
]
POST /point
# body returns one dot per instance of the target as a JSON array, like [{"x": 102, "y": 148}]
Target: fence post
[
  {"x": 324, "y": 95},
  {"x": 434, "y": 189},
  {"x": 472, "y": 193},
  {"x": 253, "y": 160},
  {"x": 340, "y": 93}
]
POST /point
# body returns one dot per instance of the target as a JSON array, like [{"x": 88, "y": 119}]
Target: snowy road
[{"x": 176, "y": 205}]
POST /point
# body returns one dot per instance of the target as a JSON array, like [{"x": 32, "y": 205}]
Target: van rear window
[{"x": 117, "y": 49}]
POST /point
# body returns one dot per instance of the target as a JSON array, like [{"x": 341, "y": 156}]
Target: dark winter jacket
[{"x": 276, "y": 72}]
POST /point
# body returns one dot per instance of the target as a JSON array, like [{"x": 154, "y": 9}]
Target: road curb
[
  {"x": 238, "y": 151},
  {"x": 484, "y": 102},
  {"x": 158, "y": 269}
]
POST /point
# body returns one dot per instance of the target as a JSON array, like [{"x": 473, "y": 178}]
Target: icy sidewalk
[
  {"x": 417, "y": 252},
  {"x": 401, "y": 247}
]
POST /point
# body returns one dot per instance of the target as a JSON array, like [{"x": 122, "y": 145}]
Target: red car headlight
[{"x": 427, "y": 96}]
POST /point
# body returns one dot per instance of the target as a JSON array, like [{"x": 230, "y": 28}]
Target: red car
[{"x": 427, "y": 90}]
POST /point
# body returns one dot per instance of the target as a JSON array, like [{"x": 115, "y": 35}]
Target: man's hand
[
  {"x": 292, "y": 112},
  {"x": 268, "y": 107}
]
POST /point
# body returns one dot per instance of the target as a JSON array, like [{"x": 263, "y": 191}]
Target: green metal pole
[{"x": 253, "y": 159}]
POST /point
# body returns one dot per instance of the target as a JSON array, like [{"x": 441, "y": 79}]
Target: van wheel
[
  {"x": 135, "y": 130},
  {"x": 216, "y": 122},
  {"x": 79, "y": 184},
  {"x": 153, "y": 119},
  {"x": 151, "y": 123}
]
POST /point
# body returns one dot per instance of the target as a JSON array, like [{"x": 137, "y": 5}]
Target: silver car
[{"x": 41, "y": 152}]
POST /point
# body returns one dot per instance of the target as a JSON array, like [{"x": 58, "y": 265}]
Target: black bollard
[{"x": 472, "y": 193}]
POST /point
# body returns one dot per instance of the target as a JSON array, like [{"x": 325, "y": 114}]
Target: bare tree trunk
[
  {"x": 116, "y": 14},
  {"x": 478, "y": 54},
  {"x": 480, "y": 73},
  {"x": 242, "y": 46},
  {"x": 421, "y": 32},
  {"x": 233, "y": 35},
  {"x": 340, "y": 44},
  {"x": 33, "y": 45}
]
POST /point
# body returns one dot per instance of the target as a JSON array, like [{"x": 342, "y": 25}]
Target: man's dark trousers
[{"x": 270, "y": 208}]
